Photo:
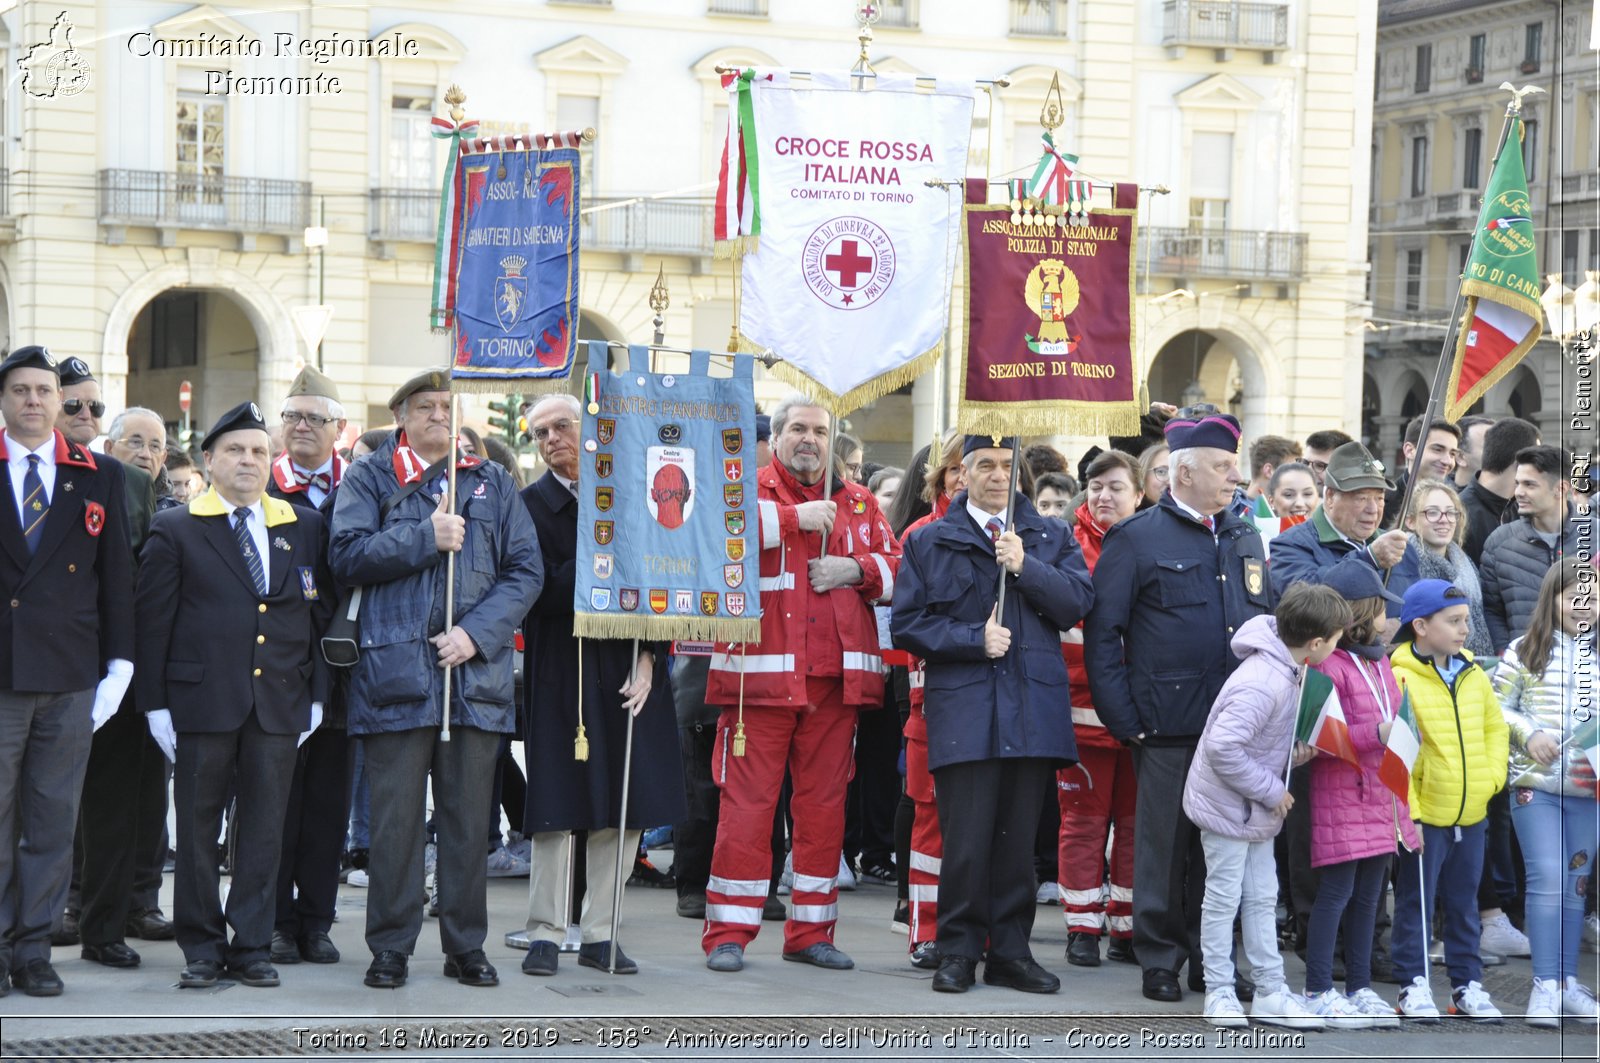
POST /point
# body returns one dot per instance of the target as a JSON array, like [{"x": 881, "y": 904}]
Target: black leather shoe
[
  {"x": 1083, "y": 950},
  {"x": 67, "y": 932},
  {"x": 258, "y": 973},
  {"x": 284, "y": 949},
  {"x": 1162, "y": 984},
  {"x": 1121, "y": 951},
  {"x": 773, "y": 911},
  {"x": 317, "y": 947},
  {"x": 388, "y": 970},
  {"x": 542, "y": 958},
  {"x": 471, "y": 968},
  {"x": 692, "y": 905},
  {"x": 1024, "y": 975},
  {"x": 150, "y": 925},
  {"x": 955, "y": 974},
  {"x": 200, "y": 974},
  {"x": 111, "y": 954},
  {"x": 598, "y": 956},
  {"x": 37, "y": 979}
]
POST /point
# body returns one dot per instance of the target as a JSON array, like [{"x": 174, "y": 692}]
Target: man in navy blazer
[
  {"x": 66, "y": 652},
  {"x": 234, "y": 593}
]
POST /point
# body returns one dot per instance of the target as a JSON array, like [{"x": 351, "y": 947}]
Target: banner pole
[
  {"x": 1441, "y": 375},
  {"x": 450, "y": 566},
  {"x": 622, "y": 816},
  {"x": 1011, "y": 521}
]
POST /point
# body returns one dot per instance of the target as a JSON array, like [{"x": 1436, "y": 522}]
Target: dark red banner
[{"x": 1049, "y": 336}]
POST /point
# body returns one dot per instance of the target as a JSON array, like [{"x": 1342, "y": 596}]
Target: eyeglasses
[
  {"x": 1318, "y": 466},
  {"x": 154, "y": 446},
  {"x": 562, "y": 427},
  {"x": 1435, "y": 515},
  {"x": 854, "y": 469},
  {"x": 75, "y": 407},
  {"x": 1160, "y": 472},
  {"x": 294, "y": 417}
]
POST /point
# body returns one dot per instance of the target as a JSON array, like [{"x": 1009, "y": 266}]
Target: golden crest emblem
[
  {"x": 1254, "y": 576},
  {"x": 1051, "y": 292}
]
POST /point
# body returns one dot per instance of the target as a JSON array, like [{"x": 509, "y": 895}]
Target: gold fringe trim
[
  {"x": 856, "y": 397},
  {"x": 1049, "y": 418},
  {"x": 509, "y": 386},
  {"x": 736, "y": 248},
  {"x": 663, "y": 628}
]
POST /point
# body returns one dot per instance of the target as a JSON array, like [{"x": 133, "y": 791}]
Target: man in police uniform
[
  {"x": 307, "y": 475},
  {"x": 66, "y": 570},
  {"x": 125, "y": 781},
  {"x": 233, "y": 596}
]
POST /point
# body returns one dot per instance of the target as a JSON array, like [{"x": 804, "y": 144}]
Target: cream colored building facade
[
  {"x": 156, "y": 201},
  {"x": 1437, "y": 119}
]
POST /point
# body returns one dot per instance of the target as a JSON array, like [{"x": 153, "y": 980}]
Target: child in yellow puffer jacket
[{"x": 1462, "y": 763}]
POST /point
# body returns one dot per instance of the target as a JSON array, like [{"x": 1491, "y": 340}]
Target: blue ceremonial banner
[
  {"x": 668, "y": 538},
  {"x": 516, "y": 271}
]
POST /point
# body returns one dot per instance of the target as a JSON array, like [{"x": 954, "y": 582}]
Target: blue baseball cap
[
  {"x": 1426, "y": 597},
  {"x": 1357, "y": 581}
]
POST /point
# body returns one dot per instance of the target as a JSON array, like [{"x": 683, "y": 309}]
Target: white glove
[
  {"x": 108, "y": 695},
  {"x": 160, "y": 723},
  {"x": 316, "y": 721}
]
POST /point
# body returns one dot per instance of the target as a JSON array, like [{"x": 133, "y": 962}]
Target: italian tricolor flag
[
  {"x": 1401, "y": 751},
  {"x": 1268, "y": 524},
  {"x": 1321, "y": 723},
  {"x": 1587, "y": 738}
]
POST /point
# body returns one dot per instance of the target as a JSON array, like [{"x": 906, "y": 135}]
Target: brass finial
[
  {"x": 1054, "y": 113},
  {"x": 659, "y": 300},
  {"x": 1515, "y": 106},
  {"x": 455, "y": 98},
  {"x": 866, "y": 15}
]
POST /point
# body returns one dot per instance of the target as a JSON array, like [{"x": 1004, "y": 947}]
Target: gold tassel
[
  {"x": 664, "y": 628},
  {"x": 580, "y": 745},
  {"x": 856, "y": 397},
  {"x": 738, "y": 730},
  {"x": 1050, "y": 418}
]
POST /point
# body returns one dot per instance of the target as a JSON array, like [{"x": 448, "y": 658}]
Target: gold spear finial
[
  {"x": 455, "y": 98},
  {"x": 1054, "y": 112},
  {"x": 659, "y": 299}
]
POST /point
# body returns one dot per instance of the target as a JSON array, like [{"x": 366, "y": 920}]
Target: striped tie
[
  {"x": 995, "y": 529},
  {"x": 35, "y": 505},
  {"x": 247, "y": 547}
]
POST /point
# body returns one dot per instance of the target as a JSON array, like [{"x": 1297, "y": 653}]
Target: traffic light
[{"x": 505, "y": 416}]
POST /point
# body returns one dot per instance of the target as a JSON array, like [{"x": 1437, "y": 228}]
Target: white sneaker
[
  {"x": 1472, "y": 1002},
  {"x": 357, "y": 878},
  {"x": 1416, "y": 1001},
  {"x": 786, "y": 880},
  {"x": 1544, "y": 1003},
  {"x": 1049, "y": 893},
  {"x": 1500, "y": 936},
  {"x": 1337, "y": 1011},
  {"x": 1577, "y": 1002},
  {"x": 847, "y": 877},
  {"x": 1222, "y": 1008},
  {"x": 1374, "y": 1007},
  {"x": 1284, "y": 1008},
  {"x": 1591, "y": 932}
]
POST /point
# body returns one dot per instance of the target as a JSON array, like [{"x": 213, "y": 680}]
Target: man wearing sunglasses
[{"x": 124, "y": 787}]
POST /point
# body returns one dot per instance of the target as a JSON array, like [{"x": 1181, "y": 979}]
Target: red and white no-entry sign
[{"x": 185, "y": 395}]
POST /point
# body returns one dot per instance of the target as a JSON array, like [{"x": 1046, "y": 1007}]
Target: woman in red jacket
[{"x": 1099, "y": 790}]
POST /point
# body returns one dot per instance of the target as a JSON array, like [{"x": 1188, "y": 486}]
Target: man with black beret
[
  {"x": 66, "y": 652},
  {"x": 998, "y": 725},
  {"x": 1173, "y": 584},
  {"x": 233, "y": 595}
]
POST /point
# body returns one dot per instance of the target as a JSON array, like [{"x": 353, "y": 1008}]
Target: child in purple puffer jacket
[{"x": 1237, "y": 795}]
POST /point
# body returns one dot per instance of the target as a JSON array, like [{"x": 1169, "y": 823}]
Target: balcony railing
[
  {"x": 193, "y": 201},
  {"x": 659, "y": 226},
  {"x": 1039, "y": 18},
  {"x": 1232, "y": 253},
  {"x": 898, "y": 14},
  {"x": 1452, "y": 205},
  {"x": 403, "y": 214},
  {"x": 1580, "y": 185},
  {"x": 1225, "y": 24},
  {"x": 750, "y": 8}
]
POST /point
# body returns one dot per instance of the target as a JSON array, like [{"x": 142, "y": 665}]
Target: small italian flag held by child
[
  {"x": 1587, "y": 738},
  {"x": 1321, "y": 723},
  {"x": 1400, "y": 753},
  {"x": 1270, "y": 525}
]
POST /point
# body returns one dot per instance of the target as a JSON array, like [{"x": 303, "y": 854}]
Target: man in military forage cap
[
  {"x": 394, "y": 524},
  {"x": 66, "y": 652},
  {"x": 307, "y": 475},
  {"x": 234, "y": 593},
  {"x": 1173, "y": 584}
]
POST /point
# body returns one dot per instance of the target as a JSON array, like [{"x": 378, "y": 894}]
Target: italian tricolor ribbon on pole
[
  {"x": 1270, "y": 524},
  {"x": 1321, "y": 722},
  {"x": 1400, "y": 752},
  {"x": 1503, "y": 318}
]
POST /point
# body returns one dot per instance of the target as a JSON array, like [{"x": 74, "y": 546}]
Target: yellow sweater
[{"x": 1465, "y": 741}]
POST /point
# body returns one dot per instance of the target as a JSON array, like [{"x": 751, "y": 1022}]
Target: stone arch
[
  {"x": 1260, "y": 370},
  {"x": 279, "y": 358}
]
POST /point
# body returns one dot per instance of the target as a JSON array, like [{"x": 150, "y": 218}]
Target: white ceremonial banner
[{"x": 849, "y": 282}]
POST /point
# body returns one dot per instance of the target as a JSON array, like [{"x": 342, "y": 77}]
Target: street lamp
[
  {"x": 1572, "y": 313},
  {"x": 317, "y": 236}
]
